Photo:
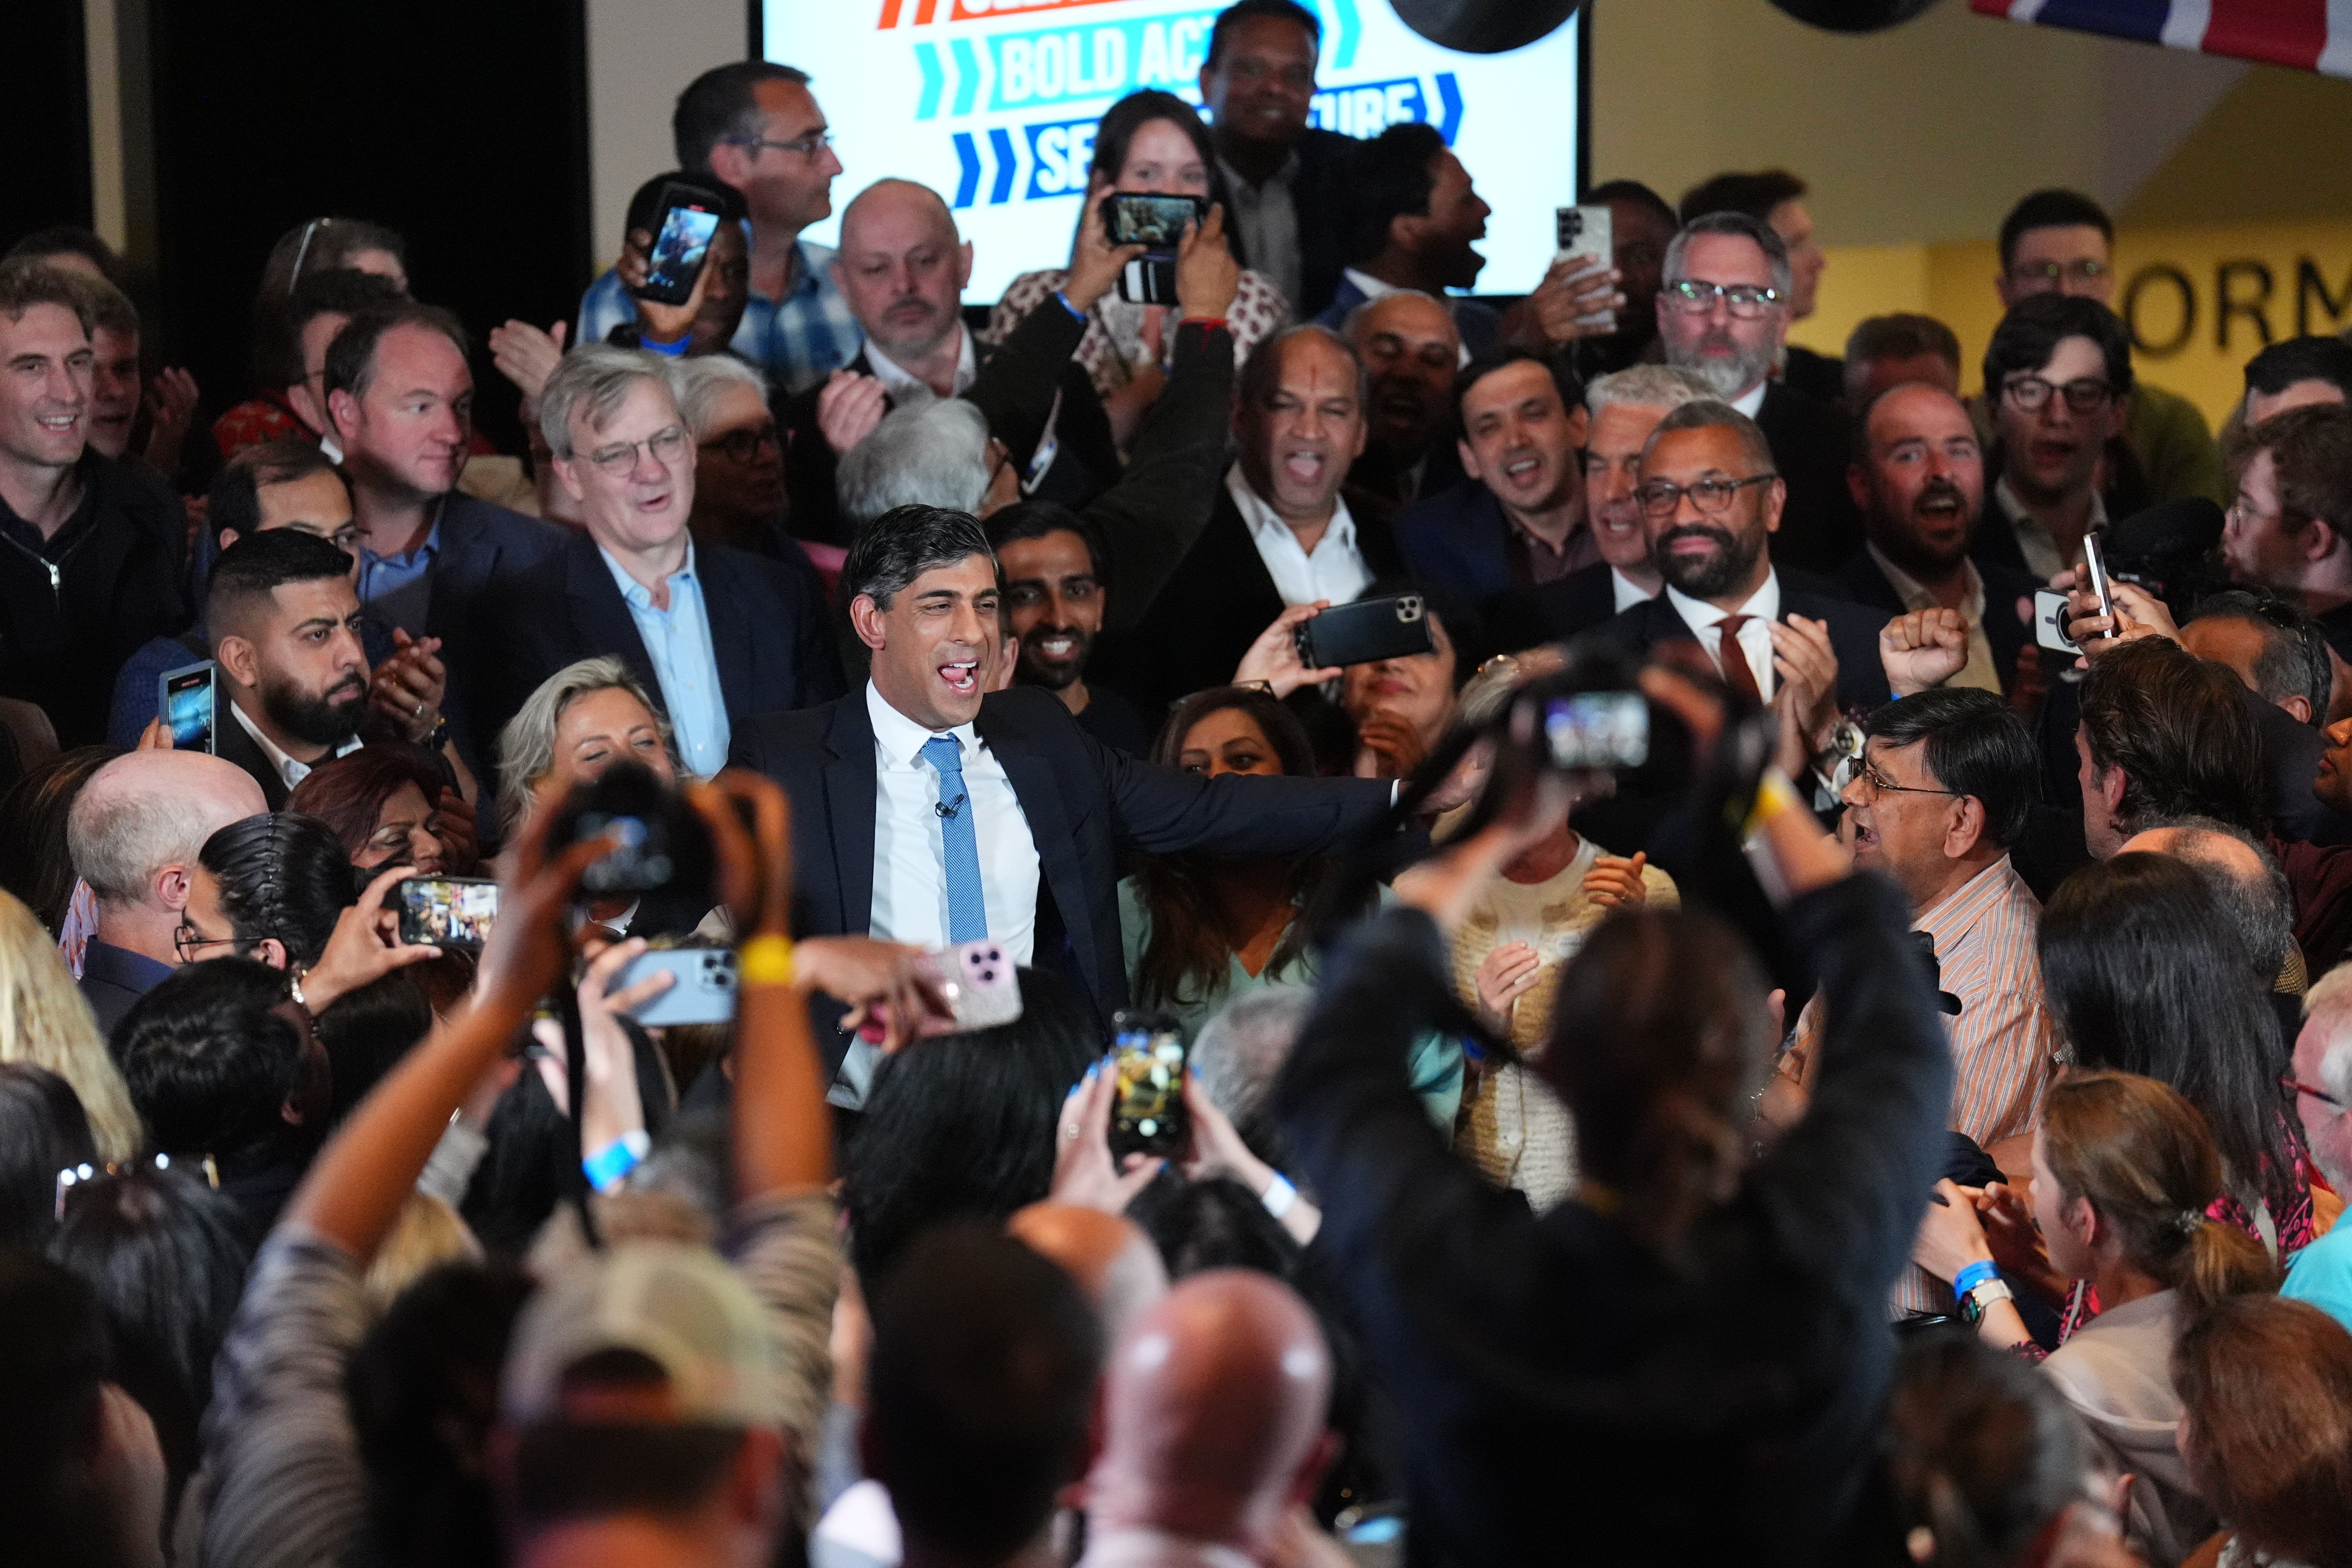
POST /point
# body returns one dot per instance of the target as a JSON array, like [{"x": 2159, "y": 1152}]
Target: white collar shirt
[
  {"x": 1762, "y": 608},
  {"x": 2034, "y": 540},
  {"x": 902, "y": 385},
  {"x": 911, "y": 883},
  {"x": 1749, "y": 401},
  {"x": 1334, "y": 570},
  {"x": 287, "y": 769},
  {"x": 1980, "y": 671},
  {"x": 1625, "y": 593}
]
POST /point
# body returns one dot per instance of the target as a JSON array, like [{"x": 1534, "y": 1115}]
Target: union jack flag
[{"x": 2311, "y": 34}]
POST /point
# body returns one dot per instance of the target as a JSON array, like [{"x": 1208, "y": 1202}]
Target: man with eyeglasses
[
  {"x": 2057, "y": 374},
  {"x": 2320, "y": 1079},
  {"x": 2062, "y": 242},
  {"x": 754, "y": 127},
  {"x": 739, "y": 467},
  {"x": 1710, "y": 500},
  {"x": 2289, "y": 527},
  {"x": 715, "y": 634},
  {"x": 1724, "y": 316},
  {"x": 1625, "y": 406}
]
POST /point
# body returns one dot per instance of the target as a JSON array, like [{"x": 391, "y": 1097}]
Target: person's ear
[
  {"x": 1308, "y": 1478},
  {"x": 1857, "y": 485},
  {"x": 2000, "y": 285},
  {"x": 1404, "y": 232},
  {"x": 271, "y": 951},
  {"x": 2298, "y": 706},
  {"x": 567, "y": 474},
  {"x": 868, "y": 619},
  {"x": 2112, "y": 783},
  {"x": 343, "y": 412},
  {"x": 755, "y": 1482},
  {"x": 1469, "y": 458},
  {"x": 2321, "y": 540},
  {"x": 963, "y": 265},
  {"x": 307, "y": 407},
  {"x": 1965, "y": 829},
  {"x": 1580, "y": 427},
  {"x": 1776, "y": 497},
  {"x": 238, "y": 659},
  {"x": 169, "y": 887}
]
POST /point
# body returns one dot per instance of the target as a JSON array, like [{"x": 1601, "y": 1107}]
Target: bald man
[
  {"x": 1212, "y": 1426},
  {"x": 902, "y": 268},
  {"x": 1114, "y": 1262},
  {"x": 134, "y": 834},
  {"x": 2251, "y": 888}
]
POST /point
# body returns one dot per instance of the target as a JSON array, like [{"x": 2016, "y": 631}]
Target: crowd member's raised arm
[{"x": 1018, "y": 385}]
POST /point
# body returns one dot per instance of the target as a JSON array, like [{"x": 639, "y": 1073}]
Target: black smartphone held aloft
[
  {"x": 1365, "y": 632},
  {"x": 688, "y": 219},
  {"x": 1149, "y": 1060},
  {"x": 1156, "y": 222},
  {"x": 185, "y": 698},
  {"x": 447, "y": 912}
]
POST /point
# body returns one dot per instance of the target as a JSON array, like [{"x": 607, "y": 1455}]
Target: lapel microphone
[{"x": 950, "y": 807}]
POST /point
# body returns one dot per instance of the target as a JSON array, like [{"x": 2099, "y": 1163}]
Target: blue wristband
[
  {"x": 667, "y": 351},
  {"x": 1073, "y": 309},
  {"x": 1972, "y": 1275},
  {"x": 610, "y": 1166}
]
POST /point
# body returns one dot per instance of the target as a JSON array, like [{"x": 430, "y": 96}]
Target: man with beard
[
  {"x": 1919, "y": 481},
  {"x": 1411, "y": 350},
  {"x": 286, "y": 635},
  {"x": 2057, "y": 376},
  {"x": 1416, "y": 223},
  {"x": 1625, "y": 407},
  {"x": 1724, "y": 316},
  {"x": 1710, "y": 500},
  {"x": 902, "y": 266},
  {"x": 1055, "y": 596}
]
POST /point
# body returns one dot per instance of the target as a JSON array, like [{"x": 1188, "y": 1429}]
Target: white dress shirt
[
  {"x": 1625, "y": 593},
  {"x": 910, "y": 878},
  {"x": 1749, "y": 401},
  {"x": 902, "y": 386},
  {"x": 1335, "y": 569},
  {"x": 1762, "y": 607},
  {"x": 293, "y": 772}
]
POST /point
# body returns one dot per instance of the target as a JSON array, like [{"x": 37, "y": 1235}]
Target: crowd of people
[{"x": 1776, "y": 991}]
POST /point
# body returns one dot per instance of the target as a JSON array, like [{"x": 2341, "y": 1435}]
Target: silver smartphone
[
  {"x": 2094, "y": 566},
  {"x": 185, "y": 698},
  {"x": 702, "y": 985},
  {"x": 1587, "y": 231}
]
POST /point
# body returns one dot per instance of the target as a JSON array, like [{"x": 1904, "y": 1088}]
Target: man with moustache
[
  {"x": 1412, "y": 351},
  {"x": 1625, "y": 407},
  {"x": 285, "y": 628},
  {"x": 1724, "y": 316},
  {"x": 1918, "y": 478},
  {"x": 1710, "y": 501}
]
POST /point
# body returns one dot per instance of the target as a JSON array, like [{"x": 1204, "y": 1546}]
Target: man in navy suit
[
  {"x": 714, "y": 634},
  {"x": 924, "y": 812},
  {"x": 1710, "y": 502}
]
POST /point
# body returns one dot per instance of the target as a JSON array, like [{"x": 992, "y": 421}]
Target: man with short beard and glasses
[
  {"x": 1625, "y": 406},
  {"x": 1710, "y": 501},
  {"x": 1918, "y": 478},
  {"x": 1724, "y": 316},
  {"x": 293, "y": 680}
]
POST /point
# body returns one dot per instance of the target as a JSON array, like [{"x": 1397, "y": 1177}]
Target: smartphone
[
  {"x": 702, "y": 985},
  {"x": 1149, "y": 1060},
  {"x": 1156, "y": 222},
  {"x": 2094, "y": 566},
  {"x": 1587, "y": 231},
  {"x": 447, "y": 912},
  {"x": 1598, "y": 731},
  {"x": 1365, "y": 632},
  {"x": 184, "y": 698},
  {"x": 980, "y": 983},
  {"x": 2050, "y": 618},
  {"x": 690, "y": 217}
]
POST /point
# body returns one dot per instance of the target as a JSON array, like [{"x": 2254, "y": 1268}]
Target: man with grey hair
[
  {"x": 2321, "y": 1074},
  {"x": 931, "y": 451},
  {"x": 1625, "y": 407},
  {"x": 738, "y": 469},
  {"x": 715, "y": 634},
  {"x": 2252, "y": 889},
  {"x": 134, "y": 833},
  {"x": 1724, "y": 316}
]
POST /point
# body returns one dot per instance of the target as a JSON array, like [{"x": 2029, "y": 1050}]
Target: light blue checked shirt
[
  {"x": 798, "y": 341},
  {"x": 678, "y": 641}
]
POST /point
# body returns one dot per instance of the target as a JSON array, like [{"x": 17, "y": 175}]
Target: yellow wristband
[
  {"x": 765, "y": 961},
  {"x": 1774, "y": 795}
]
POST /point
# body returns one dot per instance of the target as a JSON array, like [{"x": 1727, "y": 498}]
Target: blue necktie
[{"x": 967, "y": 905}]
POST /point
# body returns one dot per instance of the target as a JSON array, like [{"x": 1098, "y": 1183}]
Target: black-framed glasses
[
  {"x": 188, "y": 942},
  {"x": 2051, "y": 274},
  {"x": 743, "y": 445},
  {"x": 2031, "y": 393},
  {"x": 2297, "y": 1085},
  {"x": 1746, "y": 301},
  {"x": 619, "y": 460},
  {"x": 1866, "y": 772},
  {"x": 810, "y": 146},
  {"x": 1661, "y": 498}
]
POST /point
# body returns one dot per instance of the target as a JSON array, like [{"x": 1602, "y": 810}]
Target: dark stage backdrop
[
  {"x": 461, "y": 123},
  {"x": 44, "y": 119}
]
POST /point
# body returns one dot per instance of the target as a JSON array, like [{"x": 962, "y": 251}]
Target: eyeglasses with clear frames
[
  {"x": 1661, "y": 498},
  {"x": 619, "y": 460},
  {"x": 2051, "y": 274},
  {"x": 811, "y": 146},
  {"x": 1746, "y": 301},
  {"x": 1866, "y": 774}
]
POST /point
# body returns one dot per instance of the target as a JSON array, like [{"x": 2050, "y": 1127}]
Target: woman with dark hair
[
  {"x": 35, "y": 863},
  {"x": 42, "y": 1132},
  {"x": 2266, "y": 1426},
  {"x": 1147, "y": 144},
  {"x": 2124, "y": 1175},
  {"x": 379, "y": 801},
  {"x": 270, "y": 888},
  {"x": 1402, "y": 706},
  {"x": 2148, "y": 974}
]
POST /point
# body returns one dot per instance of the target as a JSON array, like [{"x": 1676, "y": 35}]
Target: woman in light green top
[{"x": 1199, "y": 931}]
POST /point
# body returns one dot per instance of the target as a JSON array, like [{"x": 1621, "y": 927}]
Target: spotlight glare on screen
[{"x": 992, "y": 103}]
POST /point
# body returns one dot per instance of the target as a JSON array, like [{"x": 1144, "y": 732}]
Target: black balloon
[
  {"x": 1854, "y": 15},
  {"x": 1483, "y": 26}
]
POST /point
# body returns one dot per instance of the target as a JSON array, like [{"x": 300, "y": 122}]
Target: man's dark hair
[
  {"x": 2294, "y": 661},
  {"x": 2050, "y": 209},
  {"x": 110, "y": 309},
  {"x": 719, "y": 106},
  {"x": 1037, "y": 519},
  {"x": 65, "y": 240},
  {"x": 1710, "y": 414},
  {"x": 350, "y": 358},
  {"x": 1263, "y": 373},
  {"x": 25, "y": 284},
  {"x": 262, "y": 562},
  {"x": 1975, "y": 745},
  {"x": 646, "y": 206},
  {"x": 980, "y": 1382},
  {"x": 1639, "y": 195},
  {"x": 329, "y": 291},
  {"x": 235, "y": 502},
  {"x": 1564, "y": 378},
  {"x": 2177, "y": 727},
  {"x": 281, "y": 876},
  {"x": 902, "y": 544},
  {"x": 1244, "y": 10},
  {"x": 54, "y": 1362},
  {"x": 1980, "y": 1446},
  {"x": 207, "y": 1062},
  {"x": 1391, "y": 176},
  {"x": 2038, "y": 323},
  {"x": 2307, "y": 358},
  {"x": 1903, "y": 335},
  {"x": 1755, "y": 195},
  {"x": 2311, "y": 463}
]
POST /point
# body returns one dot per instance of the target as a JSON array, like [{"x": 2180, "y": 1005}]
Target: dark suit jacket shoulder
[
  {"x": 1577, "y": 603},
  {"x": 2005, "y": 630},
  {"x": 1320, "y": 191},
  {"x": 1812, "y": 447},
  {"x": 1853, "y": 636},
  {"x": 1458, "y": 537}
]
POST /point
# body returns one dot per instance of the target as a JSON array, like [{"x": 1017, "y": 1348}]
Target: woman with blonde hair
[
  {"x": 582, "y": 719},
  {"x": 44, "y": 1021}
]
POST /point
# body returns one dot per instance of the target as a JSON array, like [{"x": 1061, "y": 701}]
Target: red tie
[{"x": 1738, "y": 673}]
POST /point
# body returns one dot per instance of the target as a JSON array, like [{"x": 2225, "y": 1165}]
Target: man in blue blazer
[
  {"x": 927, "y": 809},
  {"x": 714, "y": 634}
]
